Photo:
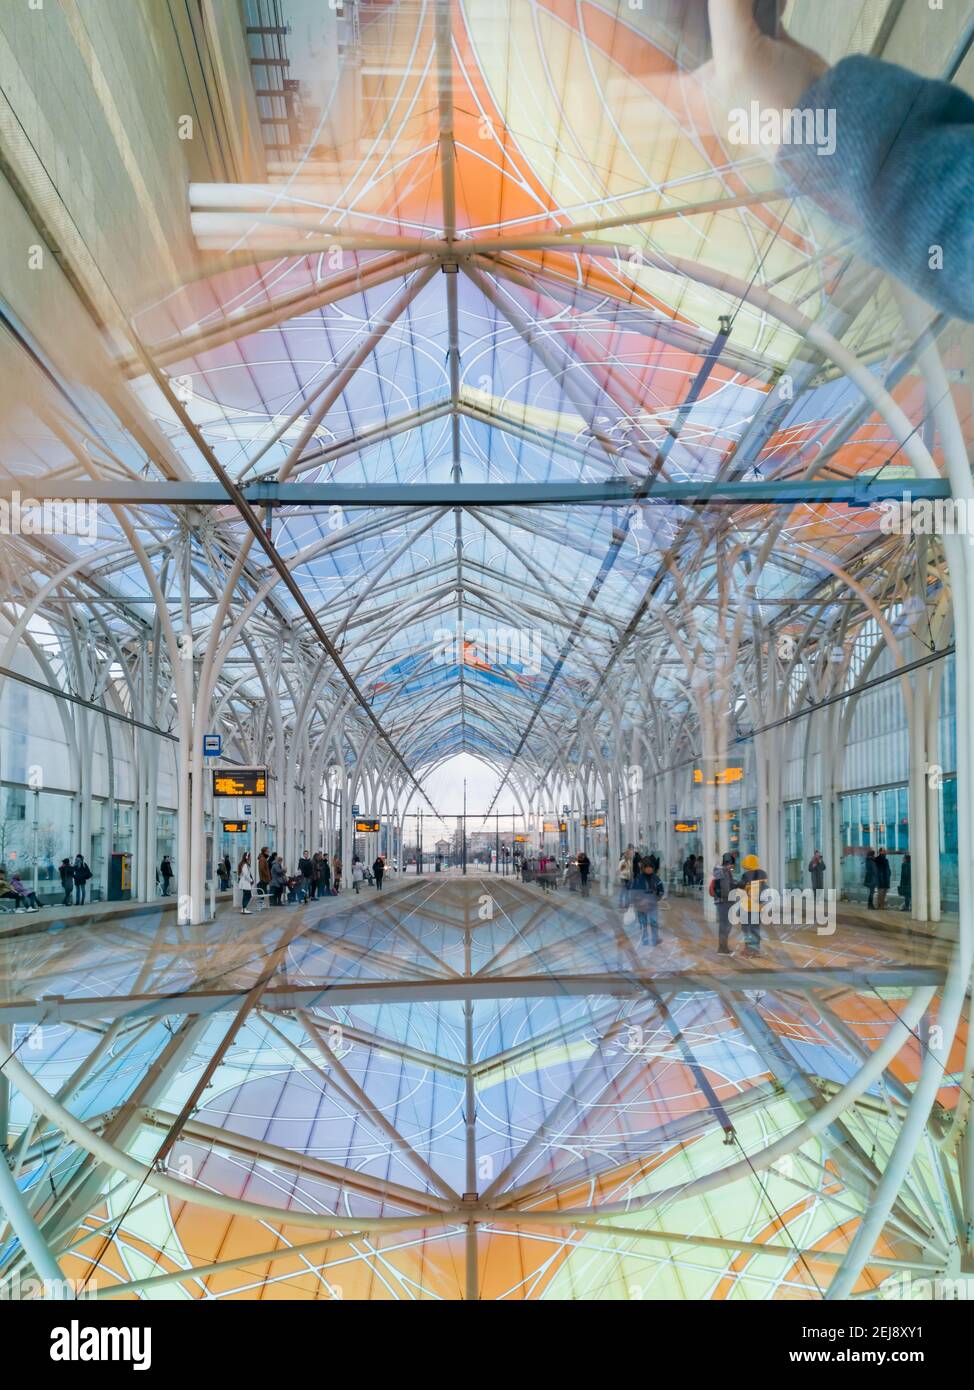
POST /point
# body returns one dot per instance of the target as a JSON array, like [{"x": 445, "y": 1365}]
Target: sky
[{"x": 445, "y": 789}]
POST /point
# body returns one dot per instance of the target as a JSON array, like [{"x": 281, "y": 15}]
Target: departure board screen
[{"x": 240, "y": 781}]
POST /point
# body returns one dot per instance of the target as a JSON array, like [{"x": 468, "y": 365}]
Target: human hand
[{"x": 750, "y": 67}]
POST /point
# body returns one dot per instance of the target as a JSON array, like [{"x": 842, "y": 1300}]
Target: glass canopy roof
[{"x": 499, "y": 243}]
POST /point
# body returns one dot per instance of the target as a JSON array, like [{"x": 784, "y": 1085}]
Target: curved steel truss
[{"x": 511, "y": 415}]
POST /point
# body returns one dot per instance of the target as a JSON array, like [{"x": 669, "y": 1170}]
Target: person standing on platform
[
  {"x": 816, "y": 870},
  {"x": 906, "y": 884},
  {"x": 67, "y": 881},
  {"x": 869, "y": 876},
  {"x": 645, "y": 893},
  {"x": 721, "y": 887},
  {"x": 884, "y": 876},
  {"x": 81, "y": 874},
  {"x": 165, "y": 873},
  {"x": 754, "y": 883},
  {"x": 304, "y": 869},
  {"x": 245, "y": 882},
  {"x": 584, "y": 869},
  {"x": 278, "y": 880},
  {"x": 378, "y": 869},
  {"x": 625, "y": 876}
]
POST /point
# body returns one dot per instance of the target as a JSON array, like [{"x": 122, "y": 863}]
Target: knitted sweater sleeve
[{"x": 902, "y": 174}]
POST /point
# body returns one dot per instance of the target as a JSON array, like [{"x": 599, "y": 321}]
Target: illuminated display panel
[
  {"x": 724, "y": 777},
  {"x": 366, "y": 827},
  {"x": 236, "y": 827},
  {"x": 240, "y": 781}
]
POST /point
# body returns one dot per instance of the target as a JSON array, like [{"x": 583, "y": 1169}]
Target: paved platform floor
[{"x": 390, "y": 945}]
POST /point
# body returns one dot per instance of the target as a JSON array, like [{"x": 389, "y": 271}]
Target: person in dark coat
[
  {"x": 278, "y": 880},
  {"x": 305, "y": 869},
  {"x": 67, "y": 881},
  {"x": 584, "y": 866},
  {"x": 645, "y": 892},
  {"x": 165, "y": 873},
  {"x": 721, "y": 887},
  {"x": 884, "y": 876},
  {"x": 378, "y": 869},
  {"x": 81, "y": 874},
  {"x": 906, "y": 884},
  {"x": 869, "y": 876},
  {"x": 816, "y": 869}
]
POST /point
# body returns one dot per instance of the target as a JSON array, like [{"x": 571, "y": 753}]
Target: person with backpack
[
  {"x": 645, "y": 892},
  {"x": 245, "y": 882},
  {"x": 722, "y": 885},
  {"x": 67, "y": 881},
  {"x": 81, "y": 874},
  {"x": 752, "y": 890},
  {"x": 165, "y": 873}
]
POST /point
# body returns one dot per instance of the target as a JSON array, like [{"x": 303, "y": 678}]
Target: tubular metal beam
[
  {"x": 341, "y": 992},
  {"x": 769, "y": 492}
]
